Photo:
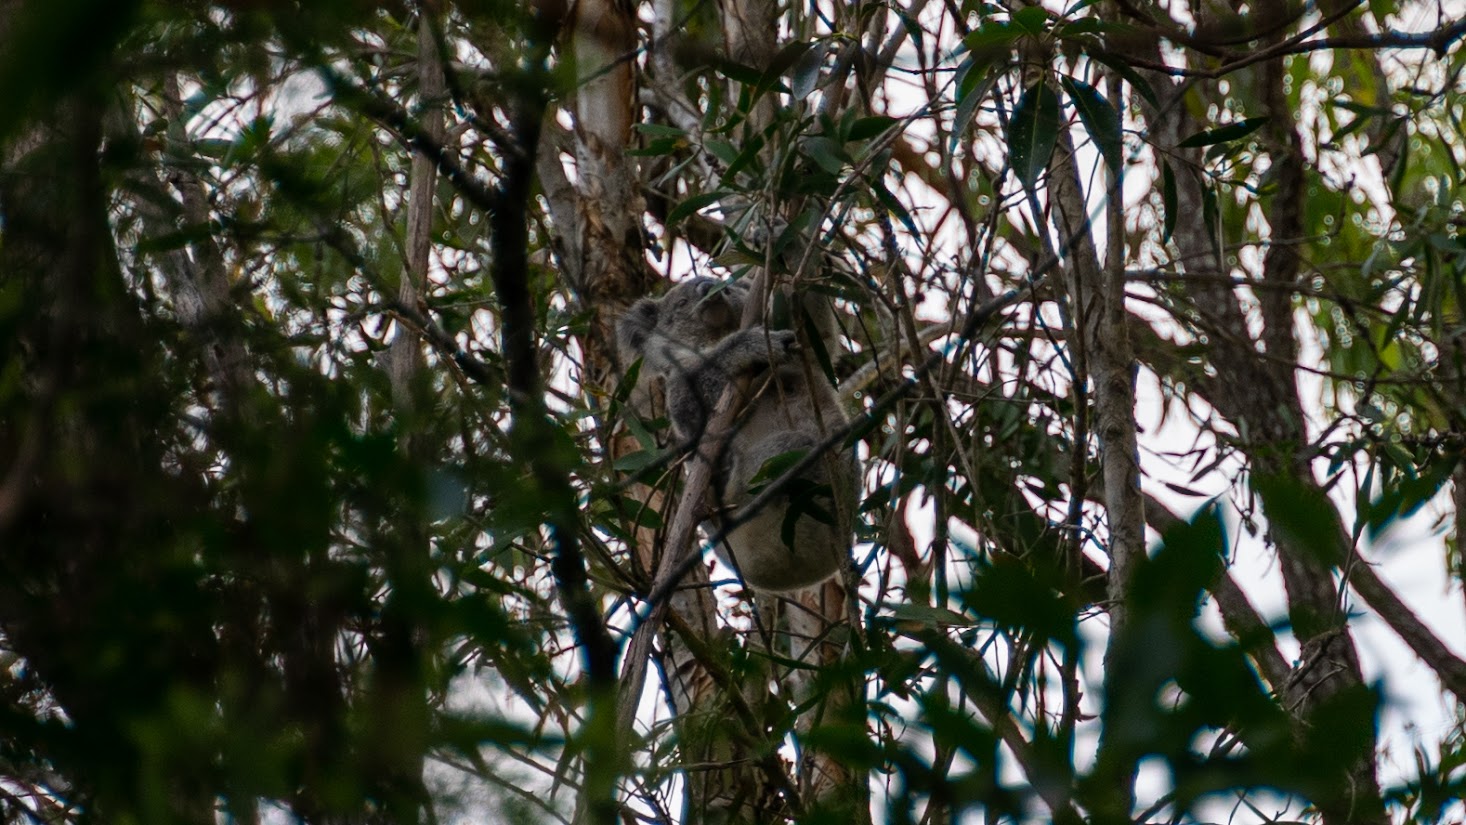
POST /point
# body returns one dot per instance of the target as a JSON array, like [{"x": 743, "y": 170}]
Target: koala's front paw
[
  {"x": 754, "y": 349},
  {"x": 784, "y": 344}
]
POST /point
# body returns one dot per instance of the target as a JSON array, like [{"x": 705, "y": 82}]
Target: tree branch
[{"x": 1438, "y": 41}]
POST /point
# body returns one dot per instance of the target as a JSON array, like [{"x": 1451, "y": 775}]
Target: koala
[{"x": 689, "y": 341}]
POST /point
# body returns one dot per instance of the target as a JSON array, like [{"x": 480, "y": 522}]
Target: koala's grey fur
[{"x": 689, "y": 341}]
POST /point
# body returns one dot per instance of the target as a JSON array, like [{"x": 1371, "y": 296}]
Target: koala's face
[
  {"x": 694, "y": 313},
  {"x": 701, "y": 310}
]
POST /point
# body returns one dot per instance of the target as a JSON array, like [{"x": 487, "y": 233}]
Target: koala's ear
[{"x": 637, "y": 324}]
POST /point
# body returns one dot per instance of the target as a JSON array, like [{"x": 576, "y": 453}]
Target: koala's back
[
  {"x": 793, "y": 401},
  {"x": 792, "y": 413}
]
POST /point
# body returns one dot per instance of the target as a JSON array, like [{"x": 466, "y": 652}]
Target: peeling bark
[
  {"x": 610, "y": 203},
  {"x": 396, "y": 692},
  {"x": 201, "y": 285},
  {"x": 404, "y": 355}
]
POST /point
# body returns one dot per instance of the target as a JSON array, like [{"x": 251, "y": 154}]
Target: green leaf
[
  {"x": 990, "y": 36},
  {"x": 928, "y": 616},
  {"x": 913, "y": 28},
  {"x": 805, "y": 500},
  {"x": 973, "y": 83},
  {"x": 746, "y": 75},
  {"x": 1403, "y": 498},
  {"x": 1209, "y": 215},
  {"x": 1032, "y": 19},
  {"x": 735, "y": 257},
  {"x": 1138, "y": 83},
  {"x": 633, "y": 462},
  {"x": 722, "y": 150},
  {"x": 1168, "y": 200},
  {"x": 1032, "y": 132},
  {"x": 1358, "y": 108},
  {"x": 624, "y": 387},
  {"x": 817, "y": 345},
  {"x": 894, "y": 205},
  {"x": 1222, "y": 134},
  {"x": 1347, "y": 129},
  {"x": 1022, "y": 596},
  {"x": 827, "y": 153},
  {"x": 776, "y": 466},
  {"x": 1083, "y": 29},
  {"x": 1382, "y": 9},
  {"x": 1300, "y": 514},
  {"x": 692, "y": 203},
  {"x": 745, "y": 156},
  {"x": 216, "y": 148},
  {"x": 659, "y": 130},
  {"x": 657, "y": 147},
  {"x": 186, "y": 234},
  {"x": 787, "y": 57},
  {"x": 1397, "y": 177},
  {"x": 1100, "y": 119},
  {"x": 806, "y": 75},
  {"x": 869, "y": 127}
]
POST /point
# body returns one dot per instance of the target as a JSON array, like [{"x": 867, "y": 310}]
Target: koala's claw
[{"x": 784, "y": 343}]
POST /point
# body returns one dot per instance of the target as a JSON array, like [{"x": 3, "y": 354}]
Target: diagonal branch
[{"x": 1438, "y": 40}]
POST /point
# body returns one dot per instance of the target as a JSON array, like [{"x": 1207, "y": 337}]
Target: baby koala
[{"x": 689, "y": 342}]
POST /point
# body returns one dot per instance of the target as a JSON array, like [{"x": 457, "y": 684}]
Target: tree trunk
[
  {"x": 80, "y": 522},
  {"x": 610, "y": 274},
  {"x": 1262, "y": 396},
  {"x": 1097, "y": 304}
]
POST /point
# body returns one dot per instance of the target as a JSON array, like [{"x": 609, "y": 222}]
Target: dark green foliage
[
  {"x": 240, "y": 567},
  {"x": 1032, "y": 132}
]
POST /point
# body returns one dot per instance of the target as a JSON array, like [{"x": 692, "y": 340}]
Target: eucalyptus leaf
[
  {"x": 1100, "y": 119},
  {"x": 1168, "y": 201},
  {"x": 692, "y": 204},
  {"x": 1033, "y": 132},
  {"x": 1222, "y": 134},
  {"x": 806, "y": 75}
]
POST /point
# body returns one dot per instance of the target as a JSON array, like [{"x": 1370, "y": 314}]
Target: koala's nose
[{"x": 704, "y": 286}]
